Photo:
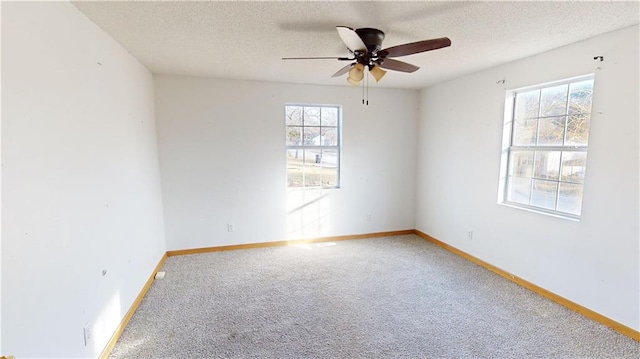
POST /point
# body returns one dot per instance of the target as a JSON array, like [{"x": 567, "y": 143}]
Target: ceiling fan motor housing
[{"x": 372, "y": 38}]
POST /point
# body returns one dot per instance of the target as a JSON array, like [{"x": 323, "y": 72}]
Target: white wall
[
  {"x": 222, "y": 159},
  {"x": 81, "y": 186},
  {"x": 595, "y": 262}
]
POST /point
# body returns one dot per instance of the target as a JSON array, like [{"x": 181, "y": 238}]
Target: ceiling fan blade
[
  {"x": 415, "y": 47},
  {"x": 391, "y": 64},
  {"x": 320, "y": 58},
  {"x": 343, "y": 71},
  {"x": 351, "y": 39}
]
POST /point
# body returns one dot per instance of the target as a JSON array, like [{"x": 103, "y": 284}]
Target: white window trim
[{"x": 507, "y": 133}]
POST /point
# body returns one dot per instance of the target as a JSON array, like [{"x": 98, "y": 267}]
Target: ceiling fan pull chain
[
  {"x": 367, "y": 88},
  {"x": 363, "y": 92}
]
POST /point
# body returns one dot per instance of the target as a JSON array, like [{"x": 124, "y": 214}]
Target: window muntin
[
  {"x": 547, "y": 151},
  {"x": 313, "y": 146}
]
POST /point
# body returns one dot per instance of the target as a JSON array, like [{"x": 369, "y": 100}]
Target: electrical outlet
[
  {"x": 229, "y": 227},
  {"x": 469, "y": 235},
  {"x": 86, "y": 330}
]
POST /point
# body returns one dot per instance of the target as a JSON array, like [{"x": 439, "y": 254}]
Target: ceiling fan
[{"x": 365, "y": 46}]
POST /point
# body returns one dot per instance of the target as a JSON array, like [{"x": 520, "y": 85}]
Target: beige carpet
[{"x": 372, "y": 298}]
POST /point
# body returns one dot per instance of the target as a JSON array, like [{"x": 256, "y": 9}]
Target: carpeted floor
[{"x": 372, "y": 298}]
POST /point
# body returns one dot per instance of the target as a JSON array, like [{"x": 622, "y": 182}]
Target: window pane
[
  {"x": 294, "y": 136},
  {"x": 573, "y": 166},
  {"x": 294, "y": 168},
  {"x": 312, "y": 116},
  {"x": 521, "y": 164},
  {"x": 570, "y": 198},
  {"x": 547, "y": 165},
  {"x": 329, "y": 116},
  {"x": 527, "y": 104},
  {"x": 330, "y": 177},
  {"x": 524, "y": 132},
  {"x": 312, "y": 136},
  {"x": 553, "y": 101},
  {"x": 551, "y": 131},
  {"x": 329, "y": 165},
  {"x": 578, "y": 130},
  {"x": 312, "y": 169},
  {"x": 544, "y": 194},
  {"x": 580, "y": 95},
  {"x": 293, "y": 115},
  {"x": 519, "y": 190},
  {"x": 329, "y": 158},
  {"x": 329, "y": 136}
]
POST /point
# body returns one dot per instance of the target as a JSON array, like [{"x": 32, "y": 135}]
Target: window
[
  {"x": 547, "y": 132},
  {"x": 313, "y": 146}
]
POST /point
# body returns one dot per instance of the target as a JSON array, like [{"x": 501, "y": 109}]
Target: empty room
[{"x": 302, "y": 179}]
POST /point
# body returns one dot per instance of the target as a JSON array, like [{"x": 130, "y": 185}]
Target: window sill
[
  {"x": 295, "y": 189},
  {"x": 528, "y": 209}
]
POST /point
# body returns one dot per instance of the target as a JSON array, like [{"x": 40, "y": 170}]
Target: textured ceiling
[{"x": 246, "y": 40}]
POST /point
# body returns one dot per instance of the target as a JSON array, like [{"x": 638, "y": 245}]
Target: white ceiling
[{"x": 246, "y": 40}]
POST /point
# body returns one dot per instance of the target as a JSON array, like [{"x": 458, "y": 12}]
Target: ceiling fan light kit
[
  {"x": 356, "y": 74},
  {"x": 352, "y": 81},
  {"x": 377, "y": 73},
  {"x": 365, "y": 47}
]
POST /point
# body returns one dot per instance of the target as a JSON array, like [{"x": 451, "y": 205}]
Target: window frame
[
  {"x": 337, "y": 147},
  {"x": 508, "y": 148}
]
